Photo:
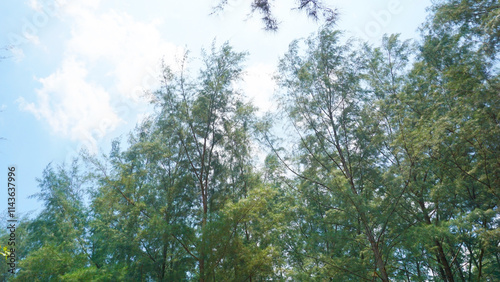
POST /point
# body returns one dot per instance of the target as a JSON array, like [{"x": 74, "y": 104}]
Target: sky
[{"x": 75, "y": 72}]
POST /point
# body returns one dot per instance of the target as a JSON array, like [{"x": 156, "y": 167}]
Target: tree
[
  {"x": 56, "y": 243},
  {"x": 213, "y": 126},
  {"x": 390, "y": 170},
  {"x": 140, "y": 205},
  {"x": 477, "y": 21},
  {"x": 450, "y": 121},
  {"x": 343, "y": 158},
  {"x": 183, "y": 201}
]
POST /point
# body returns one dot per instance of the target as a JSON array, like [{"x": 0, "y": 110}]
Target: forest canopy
[{"x": 389, "y": 170}]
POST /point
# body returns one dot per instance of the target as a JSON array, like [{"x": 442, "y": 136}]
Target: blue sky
[{"x": 76, "y": 70}]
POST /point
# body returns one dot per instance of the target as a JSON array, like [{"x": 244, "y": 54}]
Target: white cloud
[
  {"x": 72, "y": 106},
  {"x": 133, "y": 48},
  {"x": 109, "y": 60},
  {"x": 259, "y": 85}
]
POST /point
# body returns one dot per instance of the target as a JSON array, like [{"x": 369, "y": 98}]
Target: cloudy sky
[{"x": 74, "y": 72}]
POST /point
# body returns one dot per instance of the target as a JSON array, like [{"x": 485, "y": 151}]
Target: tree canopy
[{"x": 388, "y": 169}]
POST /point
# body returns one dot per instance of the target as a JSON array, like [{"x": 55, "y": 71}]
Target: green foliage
[
  {"x": 55, "y": 242},
  {"x": 389, "y": 170},
  {"x": 477, "y": 21},
  {"x": 4, "y": 252}
]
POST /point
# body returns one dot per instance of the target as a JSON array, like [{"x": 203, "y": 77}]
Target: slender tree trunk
[
  {"x": 203, "y": 223},
  {"x": 202, "y": 269},
  {"x": 444, "y": 266},
  {"x": 458, "y": 266},
  {"x": 378, "y": 256},
  {"x": 444, "y": 262},
  {"x": 371, "y": 238},
  {"x": 419, "y": 274},
  {"x": 480, "y": 268}
]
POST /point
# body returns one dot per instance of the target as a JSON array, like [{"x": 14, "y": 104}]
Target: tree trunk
[
  {"x": 445, "y": 268},
  {"x": 480, "y": 268},
  {"x": 378, "y": 256},
  {"x": 203, "y": 223},
  {"x": 444, "y": 262}
]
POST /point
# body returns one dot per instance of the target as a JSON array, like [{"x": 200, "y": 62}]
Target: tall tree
[
  {"x": 139, "y": 207},
  {"x": 342, "y": 160},
  {"x": 183, "y": 200},
  {"x": 391, "y": 170},
  {"x": 477, "y": 21},
  {"x": 213, "y": 125},
  {"x": 450, "y": 106},
  {"x": 56, "y": 242}
]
